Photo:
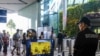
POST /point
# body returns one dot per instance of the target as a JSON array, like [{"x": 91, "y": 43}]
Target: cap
[{"x": 84, "y": 20}]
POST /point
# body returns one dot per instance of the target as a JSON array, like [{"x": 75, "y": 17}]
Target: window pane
[
  {"x": 42, "y": 13},
  {"x": 46, "y": 6},
  {"x": 42, "y": 6},
  {"x": 70, "y": 2},
  {"x": 85, "y": 1},
  {"x": 42, "y": 1},
  {"x": 78, "y": 1}
]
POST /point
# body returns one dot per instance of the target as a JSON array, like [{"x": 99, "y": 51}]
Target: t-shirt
[
  {"x": 16, "y": 37},
  {"x": 5, "y": 39}
]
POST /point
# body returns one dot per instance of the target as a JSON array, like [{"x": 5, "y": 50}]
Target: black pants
[
  {"x": 5, "y": 48},
  {"x": 60, "y": 47},
  {"x": 0, "y": 47}
]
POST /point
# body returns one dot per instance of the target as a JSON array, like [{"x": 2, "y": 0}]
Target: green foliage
[
  {"x": 11, "y": 24},
  {"x": 74, "y": 13},
  {"x": 71, "y": 27},
  {"x": 93, "y": 0},
  {"x": 60, "y": 20}
]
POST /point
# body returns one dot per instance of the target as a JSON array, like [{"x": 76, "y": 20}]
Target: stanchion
[
  {"x": 98, "y": 48},
  {"x": 63, "y": 48},
  {"x": 70, "y": 44},
  {"x": 70, "y": 53}
]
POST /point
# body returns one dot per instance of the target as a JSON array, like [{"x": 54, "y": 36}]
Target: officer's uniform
[{"x": 86, "y": 43}]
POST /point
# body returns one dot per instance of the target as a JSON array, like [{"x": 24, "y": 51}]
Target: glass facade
[
  {"x": 73, "y": 2},
  {"x": 50, "y": 9},
  {"x": 49, "y": 14},
  {"x": 44, "y": 12}
]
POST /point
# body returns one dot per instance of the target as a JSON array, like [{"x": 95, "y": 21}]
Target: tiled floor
[{"x": 55, "y": 54}]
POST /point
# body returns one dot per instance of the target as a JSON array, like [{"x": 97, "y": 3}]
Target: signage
[
  {"x": 3, "y": 19},
  {"x": 42, "y": 47},
  {"x": 3, "y": 12},
  {"x": 3, "y": 16}
]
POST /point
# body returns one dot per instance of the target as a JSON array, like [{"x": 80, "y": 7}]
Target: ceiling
[{"x": 14, "y": 5}]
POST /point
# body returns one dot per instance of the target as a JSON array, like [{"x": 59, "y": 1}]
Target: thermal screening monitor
[{"x": 40, "y": 47}]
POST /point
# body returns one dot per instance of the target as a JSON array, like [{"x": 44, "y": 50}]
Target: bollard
[
  {"x": 98, "y": 49},
  {"x": 63, "y": 48},
  {"x": 70, "y": 49},
  {"x": 63, "y": 52}
]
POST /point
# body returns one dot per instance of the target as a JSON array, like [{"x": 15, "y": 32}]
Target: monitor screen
[{"x": 40, "y": 47}]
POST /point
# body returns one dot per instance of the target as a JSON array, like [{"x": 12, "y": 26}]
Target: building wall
[{"x": 32, "y": 12}]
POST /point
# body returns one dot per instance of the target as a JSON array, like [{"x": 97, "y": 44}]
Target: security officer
[{"x": 86, "y": 41}]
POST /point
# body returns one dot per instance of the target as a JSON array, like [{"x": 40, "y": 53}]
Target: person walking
[
  {"x": 60, "y": 41},
  {"x": 5, "y": 42},
  {"x": 24, "y": 43},
  {"x": 16, "y": 40},
  {"x": 53, "y": 40},
  {"x": 1, "y": 41},
  {"x": 86, "y": 41}
]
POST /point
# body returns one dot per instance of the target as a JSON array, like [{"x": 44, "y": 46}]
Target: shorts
[{"x": 16, "y": 44}]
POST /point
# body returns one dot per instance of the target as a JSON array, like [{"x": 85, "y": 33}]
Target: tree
[{"x": 11, "y": 25}]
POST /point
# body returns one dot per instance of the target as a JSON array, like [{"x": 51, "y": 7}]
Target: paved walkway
[{"x": 55, "y": 54}]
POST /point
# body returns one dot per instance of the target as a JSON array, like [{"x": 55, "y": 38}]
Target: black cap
[{"x": 84, "y": 20}]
